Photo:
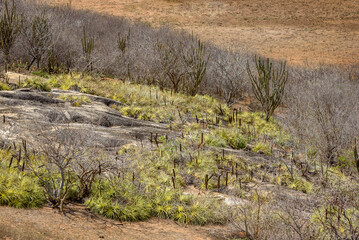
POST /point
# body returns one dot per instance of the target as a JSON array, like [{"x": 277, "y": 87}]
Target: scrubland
[{"x": 218, "y": 136}]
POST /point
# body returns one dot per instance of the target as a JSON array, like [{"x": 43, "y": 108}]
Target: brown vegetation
[{"x": 301, "y": 32}]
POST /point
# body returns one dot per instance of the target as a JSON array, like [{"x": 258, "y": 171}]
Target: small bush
[
  {"x": 188, "y": 209},
  {"x": 4, "y": 87},
  {"x": 121, "y": 201},
  {"x": 36, "y": 84},
  {"x": 76, "y": 101},
  {"x": 297, "y": 183},
  {"x": 229, "y": 136},
  {"x": 269, "y": 128},
  {"x": 338, "y": 216},
  {"x": 263, "y": 148},
  {"x": 67, "y": 82},
  {"x": 215, "y": 141},
  {"x": 20, "y": 190},
  {"x": 237, "y": 142},
  {"x": 40, "y": 74}
]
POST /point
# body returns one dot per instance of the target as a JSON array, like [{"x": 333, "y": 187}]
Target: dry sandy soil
[
  {"x": 78, "y": 223},
  {"x": 300, "y": 31}
]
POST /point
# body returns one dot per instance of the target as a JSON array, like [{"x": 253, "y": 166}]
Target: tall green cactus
[
  {"x": 87, "y": 47},
  {"x": 268, "y": 84},
  {"x": 196, "y": 62},
  {"x": 356, "y": 157},
  {"x": 122, "y": 42}
]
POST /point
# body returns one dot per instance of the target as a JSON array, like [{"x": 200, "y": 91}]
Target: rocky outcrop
[{"x": 27, "y": 111}]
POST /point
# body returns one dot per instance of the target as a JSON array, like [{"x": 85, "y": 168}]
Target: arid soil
[
  {"x": 299, "y": 31},
  {"x": 78, "y": 223}
]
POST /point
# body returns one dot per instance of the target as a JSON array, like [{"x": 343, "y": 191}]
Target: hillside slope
[{"x": 302, "y": 31}]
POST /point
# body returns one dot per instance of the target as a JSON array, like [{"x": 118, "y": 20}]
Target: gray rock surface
[{"x": 26, "y": 112}]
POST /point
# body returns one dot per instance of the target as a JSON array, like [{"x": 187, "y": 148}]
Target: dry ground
[
  {"x": 300, "y": 31},
  {"x": 78, "y": 223}
]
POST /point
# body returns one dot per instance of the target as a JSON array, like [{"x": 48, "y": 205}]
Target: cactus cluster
[
  {"x": 88, "y": 44},
  {"x": 268, "y": 85}
]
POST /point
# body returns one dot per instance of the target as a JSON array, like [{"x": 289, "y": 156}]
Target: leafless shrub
[
  {"x": 171, "y": 60},
  {"x": 295, "y": 218},
  {"x": 227, "y": 71},
  {"x": 61, "y": 153},
  {"x": 323, "y": 113},
  {"x": 264, "y": 218},
  {"x": 10, "y": 23},
  {"x": 256, "y": 218},
  {"x": 338, "y": 218},
  {"x": 140, "y": 62},
  {"x": 92, "y": 163},
  {"x": 37, "y": 34},
  {"x": 56, "y": 149}
]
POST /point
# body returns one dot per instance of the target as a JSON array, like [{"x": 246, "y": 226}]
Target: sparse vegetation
[
  {"x": 135, "y": 183},
  {"x": 247, "y": 168}
]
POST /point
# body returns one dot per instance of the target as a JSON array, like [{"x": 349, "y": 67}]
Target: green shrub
[
  {"x": 256, "y": 124},
  {"x": 298, "y": 183},
  {"x": 237, "y": 142},
  {"x": 66, "y": 82},
  {"x": 40, "y": 74},
  {"x": 143, "y": 102},
  {"x": 227, "y": 136},
  {"x": 4, "y": 87},
  {"x": 215, "y": 141},
  {"x": 122, "y": 200},
  {"x": 262, "y": 147},
  {"x": 188, "y": 209},
  {"x": 20, "y": 190},
  {"x": 76, "y": 101},
  {"x": 36, "y": 84}
]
